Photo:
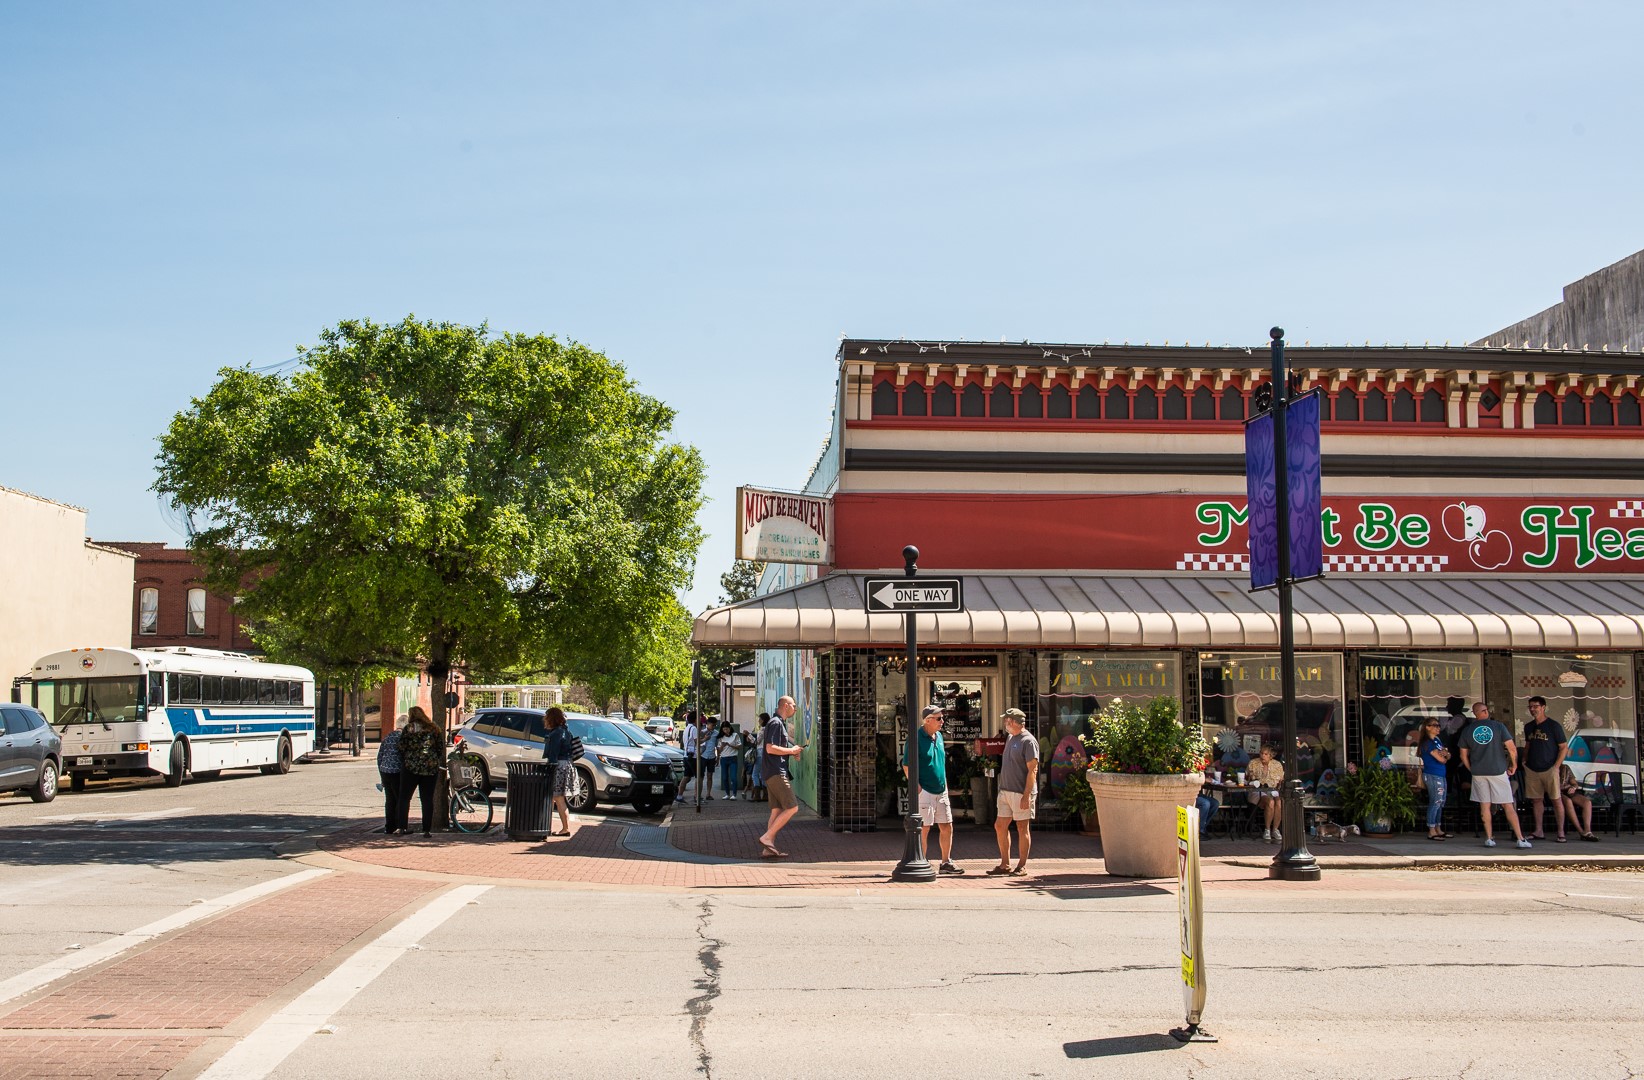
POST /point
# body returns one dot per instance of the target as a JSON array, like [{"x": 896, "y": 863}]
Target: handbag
[{"x": 576, "y": 748}]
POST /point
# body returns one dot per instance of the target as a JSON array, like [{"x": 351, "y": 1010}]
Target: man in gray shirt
[
  {"x": 1488, "y": 752},
  {"x": 1018, "y": 789}
]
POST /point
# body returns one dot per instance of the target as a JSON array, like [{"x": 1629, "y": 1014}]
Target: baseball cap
[
  {"x": 1013, "y": 714},
  {"x": 930, "y": 710}
]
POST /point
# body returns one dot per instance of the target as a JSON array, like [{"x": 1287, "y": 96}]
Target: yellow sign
[{"x": 1190, "y": 911}]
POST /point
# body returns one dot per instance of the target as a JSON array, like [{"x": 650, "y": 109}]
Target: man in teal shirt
[{"x": 934, "y": 806}]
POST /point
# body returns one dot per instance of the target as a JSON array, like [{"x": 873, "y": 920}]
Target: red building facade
[{"x": 170, "y": 604}]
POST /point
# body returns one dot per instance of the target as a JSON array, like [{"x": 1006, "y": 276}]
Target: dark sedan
[{"x": 31, "y": 753}]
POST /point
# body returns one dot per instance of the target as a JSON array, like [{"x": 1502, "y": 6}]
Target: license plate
[
  {"x": 82, "y": 761},
  {"x": 658, "y": 789}
]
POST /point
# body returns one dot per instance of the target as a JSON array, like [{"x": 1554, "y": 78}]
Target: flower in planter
[{"x": 1126, "y": 737}]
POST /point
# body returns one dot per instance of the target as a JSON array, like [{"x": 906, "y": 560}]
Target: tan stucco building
[{"x": 58, "y": 590}]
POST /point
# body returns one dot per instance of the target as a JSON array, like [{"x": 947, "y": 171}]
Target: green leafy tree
[
  {"x": 432, "y": 495},
  {"x": 739, "y": 583}
]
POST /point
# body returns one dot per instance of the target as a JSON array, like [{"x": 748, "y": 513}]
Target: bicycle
[{"x": 471, "y": 807}]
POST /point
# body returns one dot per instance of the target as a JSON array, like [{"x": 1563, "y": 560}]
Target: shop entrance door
[{"x": 969, "y": 705}]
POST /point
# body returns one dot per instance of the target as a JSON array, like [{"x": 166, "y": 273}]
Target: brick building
[{"x": 171, "y": 606}]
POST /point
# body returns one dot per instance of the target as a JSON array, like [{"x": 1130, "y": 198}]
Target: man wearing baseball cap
[
  {"x": 1018, "y": 790},
  {"x": 934, "y": 806}
]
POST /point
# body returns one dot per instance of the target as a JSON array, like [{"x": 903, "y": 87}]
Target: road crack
[{"x": 707, "y": 984}]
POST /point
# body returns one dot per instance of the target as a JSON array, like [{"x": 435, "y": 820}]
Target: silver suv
[{"x": 612, "y": 768}]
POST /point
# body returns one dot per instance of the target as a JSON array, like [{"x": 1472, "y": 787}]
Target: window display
[
  {"x": 1592, "y": 697},
  {"x": 1073, "y": 686},
  {"x": 1398, "y": 692},
  {"x": 1241, "y": 709}
]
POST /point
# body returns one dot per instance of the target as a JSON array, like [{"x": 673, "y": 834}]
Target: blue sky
[{"x": 713, "y": 193}]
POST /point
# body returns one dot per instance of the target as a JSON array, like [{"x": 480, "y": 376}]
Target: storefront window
[
  {"x": 1592, "y": 696},
  {"x": 1241, "y": 707},
  {"x": 1398, "y": 692},
  {"x": 1073, "y": 686}
]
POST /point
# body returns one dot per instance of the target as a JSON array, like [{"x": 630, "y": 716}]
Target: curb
[{"x": 1419, "y": 862}]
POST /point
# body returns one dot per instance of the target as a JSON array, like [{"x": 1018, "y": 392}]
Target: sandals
[
  {"x": 1561, "y": 839},
  {"x": 1020, "y": 871},
  {"x": 1436, "y": 836},
  {"x": 1589, "y": 836},
  {"x": 768, "y": 852}
]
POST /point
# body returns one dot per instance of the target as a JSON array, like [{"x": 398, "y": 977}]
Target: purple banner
[{"x": 1306, "y": 490}]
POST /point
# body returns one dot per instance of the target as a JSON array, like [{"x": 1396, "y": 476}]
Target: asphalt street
[{"x": 1381, "y": 973}]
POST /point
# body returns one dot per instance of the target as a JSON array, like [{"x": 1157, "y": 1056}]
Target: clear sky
[{"x": 713, "y": 193}]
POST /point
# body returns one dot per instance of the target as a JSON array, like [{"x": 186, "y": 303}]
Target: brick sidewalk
[{"x": 160, "y": 1003}]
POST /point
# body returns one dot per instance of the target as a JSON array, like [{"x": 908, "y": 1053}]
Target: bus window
[
  {"x": 211, "y": 689},
  {"x": 265, "y": 691},
  {"x": 188, "y": 689},
  {"x": 156, "y": 689}
]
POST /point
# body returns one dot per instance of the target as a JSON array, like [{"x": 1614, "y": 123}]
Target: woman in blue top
[
  {"x": 1434, "y": 757},
  {"x": 556, "y": 750}
]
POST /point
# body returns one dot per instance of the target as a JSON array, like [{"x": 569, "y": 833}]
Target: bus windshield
[{"x": 89, "y": 701}]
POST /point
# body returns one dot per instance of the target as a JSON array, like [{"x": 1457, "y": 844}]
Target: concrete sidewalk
[{"x": 717, "y": 845}]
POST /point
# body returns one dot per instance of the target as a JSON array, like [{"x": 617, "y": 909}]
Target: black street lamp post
[
  {"x": 1293, "y": 862},
  {"x": 914, "y": 866}
]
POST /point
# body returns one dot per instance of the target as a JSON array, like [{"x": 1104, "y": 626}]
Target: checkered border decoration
[
  {"x": 1398, "y": 564},
  {"x": 1200, "y": 560},
  {"x": 1628, "y": 508},
  {"x": 1362, "y": 564}
]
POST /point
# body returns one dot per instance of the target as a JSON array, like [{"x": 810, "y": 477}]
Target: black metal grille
[
  {"x": 851, "y": 744},
  {"x": 646, "y": 770}
]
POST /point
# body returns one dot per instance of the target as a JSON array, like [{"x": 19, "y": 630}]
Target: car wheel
[
  {"x": 649, "y": 806},
  {"x": 485, "y": 783},
  {"x": 179, "y": 765},
  {"x": 77, "y": 781},
  {"x": 282, "y": 759},
  {"x": 581, "y": 797},
  {"x": 45, "y": 789}
]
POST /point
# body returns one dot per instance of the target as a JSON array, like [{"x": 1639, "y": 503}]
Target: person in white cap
[{"x": 1018, "y": 792}]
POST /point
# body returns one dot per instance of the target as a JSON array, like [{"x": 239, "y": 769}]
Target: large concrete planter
[{"x": 1138, "y": 813}]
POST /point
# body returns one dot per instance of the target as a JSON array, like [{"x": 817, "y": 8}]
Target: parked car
[
  {"x": 31, "y": 753},
  {"x": 613, "y": 769},
  {"x": 642, "y": 737},
  {"x": 661, "y": 726}
]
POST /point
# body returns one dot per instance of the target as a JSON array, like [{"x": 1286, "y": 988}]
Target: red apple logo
[{"x": 1492, "y": 550}]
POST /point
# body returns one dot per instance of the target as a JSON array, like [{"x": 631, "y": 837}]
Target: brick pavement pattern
[
  {"x": 200, "y": 981},
  {"x": 104, "y": 1057}
]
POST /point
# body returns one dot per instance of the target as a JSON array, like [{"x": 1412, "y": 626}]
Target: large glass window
[
  {"x": 196, "y": 612},
  {"x": 1592, "y": 696},
  {"x": 1241, "y": 707},
  {"x": 1398, "y": 692},
  {"x": 89, "y": 701},
  {"x": 148, "y": 611},
  {"x": 1073, "y": 686}
]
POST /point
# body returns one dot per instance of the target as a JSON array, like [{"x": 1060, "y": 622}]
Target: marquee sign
[
  {"x": 782, "y": 527},
  {"x": 1419, "y": 534}
]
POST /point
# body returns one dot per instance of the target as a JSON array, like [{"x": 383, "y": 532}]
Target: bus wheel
[
  {"x": 179, "y": 765},
  {"x": 282, "y": 762}
]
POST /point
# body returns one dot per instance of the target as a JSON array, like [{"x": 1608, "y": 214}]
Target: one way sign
[{"x": 900, "y": 595}]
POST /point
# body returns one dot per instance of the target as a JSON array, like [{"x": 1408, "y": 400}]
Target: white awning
[{"x": 1383, "y": 611}]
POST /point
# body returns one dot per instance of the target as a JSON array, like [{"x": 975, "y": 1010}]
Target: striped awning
[{"x": 1384, "y": 611}]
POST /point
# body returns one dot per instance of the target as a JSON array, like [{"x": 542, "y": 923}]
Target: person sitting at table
[
  {"x": 1577, "y": 807},
  {"x": 1265, "y": 775},
  {"x": 1207, "y": 804}
]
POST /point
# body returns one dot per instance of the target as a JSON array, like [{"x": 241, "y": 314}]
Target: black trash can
[{"x": 527, "y": 816}]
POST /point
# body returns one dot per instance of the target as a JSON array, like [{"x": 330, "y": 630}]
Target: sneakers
[
  {"x": 950, "y": 868},
  {"x": 1490, "y": 841},
  {"x": 1267, "y": 835},
  {"x": 1523, "y": 844}
]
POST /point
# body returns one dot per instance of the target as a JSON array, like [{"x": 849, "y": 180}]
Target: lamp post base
[
  {"x": 1293, "y": 862},
  {"x": 914, "y": 866}
]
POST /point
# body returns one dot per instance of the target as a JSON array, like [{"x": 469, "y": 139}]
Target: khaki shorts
[
  {"x": 1009, "y": 806},
  {"x": 1541, "y": 785},
  {"x": 935, "y": 809},
  {"x": 780, "y": 793}
]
